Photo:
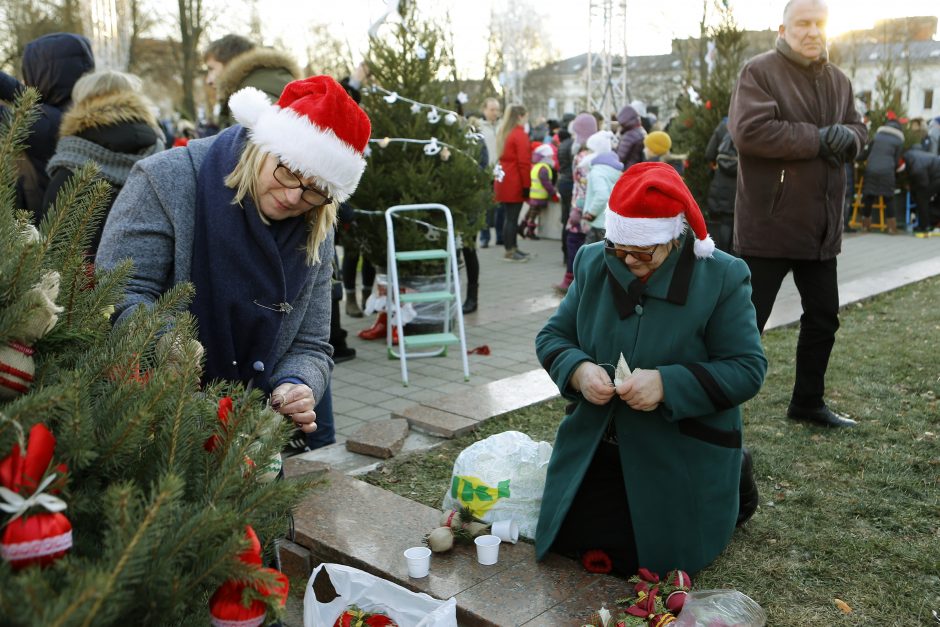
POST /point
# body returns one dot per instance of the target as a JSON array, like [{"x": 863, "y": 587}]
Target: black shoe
[
  {"x": 469, "y": 305},
  {"x": 343, "y": 353},
  {"x": 822, "y": 416},
  {"x": 749, "y": 497},
  {"x": 485, "y": 244}
]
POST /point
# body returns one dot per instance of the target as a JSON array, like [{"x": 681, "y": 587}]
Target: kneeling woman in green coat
[{"x": 650, "y": 470}]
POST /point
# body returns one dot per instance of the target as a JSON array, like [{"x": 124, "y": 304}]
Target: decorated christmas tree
[
  {"x": 422, "y": 151},
  {"x": 127, "y": 491},
  {"x": 699, "y": 116}
]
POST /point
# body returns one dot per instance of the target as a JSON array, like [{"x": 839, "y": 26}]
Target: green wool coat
[{"x": 681, "y": 462}]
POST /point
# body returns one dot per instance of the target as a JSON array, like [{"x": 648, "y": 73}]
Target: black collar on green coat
[{"x": 670, "y": 282}]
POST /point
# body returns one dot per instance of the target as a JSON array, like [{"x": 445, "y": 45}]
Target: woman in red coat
[{"x": 512, "y": 184}]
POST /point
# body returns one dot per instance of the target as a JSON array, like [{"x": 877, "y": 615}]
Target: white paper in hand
[{"x": 622, "y": 373}]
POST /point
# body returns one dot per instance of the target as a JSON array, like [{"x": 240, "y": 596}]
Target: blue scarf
[{"x": 246, "y": 273}]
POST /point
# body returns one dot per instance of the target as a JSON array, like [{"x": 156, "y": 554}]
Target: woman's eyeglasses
[
  {"x": 310, "y": 195},
  {"x": 644, "y": 256}
]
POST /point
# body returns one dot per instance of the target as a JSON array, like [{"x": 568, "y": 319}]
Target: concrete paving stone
[
  {"x": 396, "y": 404},
  {"x": 379, "y": 438},
  {"x": 499, "y": 397},
  {"x": 295, "y": 559},
  {"x": 369, "y": 412},
  {"x": 418, "y": 441},
  {"x": 371, "y": 396},
  {"x": 297, "y": 466},
  {"x": 436, "y": 421},
  {"x": 344, "y": 405}
]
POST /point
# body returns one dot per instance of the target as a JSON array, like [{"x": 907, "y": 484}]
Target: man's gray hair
[{"x": 788, "y": 7}]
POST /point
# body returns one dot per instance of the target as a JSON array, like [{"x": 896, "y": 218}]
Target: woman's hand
[
  {"x": 295, "y": 400},
  {"x": 643, "y": 390},
  {"x": 593, "y": 382}
]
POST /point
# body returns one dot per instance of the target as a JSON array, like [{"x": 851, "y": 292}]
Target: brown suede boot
[
  {"x": 892, "y": 226},
  {"x": 866, "y": 224}
]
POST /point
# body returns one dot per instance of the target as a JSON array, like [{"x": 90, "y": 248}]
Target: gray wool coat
[{"x": 152, "y": 222}]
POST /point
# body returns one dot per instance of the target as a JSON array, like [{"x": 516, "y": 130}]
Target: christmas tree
[
  {"x": 407, "y": 62},
  {"x": 699, "y": 117},
  {"x": 112, "y": 424}
]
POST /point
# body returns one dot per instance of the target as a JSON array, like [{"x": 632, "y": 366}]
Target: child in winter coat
[
  {"x": 606, "y": 168},
  {"x": 540, "y": 188}
]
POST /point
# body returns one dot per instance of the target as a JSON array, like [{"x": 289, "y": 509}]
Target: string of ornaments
[{"x": 432, "y": 146}]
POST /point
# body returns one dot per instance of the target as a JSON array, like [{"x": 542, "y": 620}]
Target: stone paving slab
[
  {"x": 437, "y": 421},
  {"x": 379, "y": 438},
  {"x": 498, "y": 397},
  {"x": 350, "y": 522}
]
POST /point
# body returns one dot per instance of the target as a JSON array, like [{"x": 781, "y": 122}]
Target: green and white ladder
[{"x": 429, "y": 344}]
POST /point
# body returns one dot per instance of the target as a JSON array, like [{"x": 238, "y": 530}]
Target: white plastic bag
[
  {"x": 372, "y": 594},
  {"x": 704, "y": 608},
  {"x": 501, "y": 478}
]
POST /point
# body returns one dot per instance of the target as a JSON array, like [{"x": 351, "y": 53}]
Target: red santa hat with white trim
[
  {"x": 650, "y": 204},
  {"x": 315, "y": 129}
]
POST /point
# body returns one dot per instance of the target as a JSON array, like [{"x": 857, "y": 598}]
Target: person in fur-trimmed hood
[
  {"x": 883, "y": 161},
  {"x": 235, "y": 62},
  {"x": 111, "y": 124}
]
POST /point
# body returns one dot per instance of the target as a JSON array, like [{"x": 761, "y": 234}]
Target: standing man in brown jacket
[{"x": 794, "y": 122}]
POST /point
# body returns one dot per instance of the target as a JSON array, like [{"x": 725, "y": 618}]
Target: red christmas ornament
[
  {"x": 225, "y": 406},
  {"x": 641, "y": 586},
  {"x": 226, "y": 606},
  {"x": 891, "y": 115},
  {"x": 708, "y": 105},
  {"x": 676, "y": 600},
  {"x": 661, "y": 620},
  {"x": 679, "y": 579},
  {"x": 597, "y": 561},
  {"x": 355, "y": 617},
  {"x": 38, "y": 538},
  {"x": 647, "y": 575},
  {"x": 645, "y": 605}
]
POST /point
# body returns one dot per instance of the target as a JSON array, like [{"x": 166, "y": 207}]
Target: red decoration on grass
[
  {"x": 645, "y": 605},
  {"x": 676, "y": 600},
  {"x": 37, "y": 538},
  {"x": 597, "y": 561}
]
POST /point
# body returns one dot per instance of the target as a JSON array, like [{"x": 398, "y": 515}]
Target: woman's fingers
[{"x": 306, "y": 421}]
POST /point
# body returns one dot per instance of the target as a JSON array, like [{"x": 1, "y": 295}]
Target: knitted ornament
[
  {"x": 355, "y": 617},
  {"x": 676, "y": 600},
  {"x": 645, "y": 605},
  {"x": 661, "y": 620},
  {"x": 315, "y": 128},
  {"x": 32, "y": 538},
  {"x": 658, "y": 142},
  {"x": 650, "y": 204},
  {"x": 16, "y": 356},
  {"x": 226, "y": 606},
  {"x": 679, "y": 580}
]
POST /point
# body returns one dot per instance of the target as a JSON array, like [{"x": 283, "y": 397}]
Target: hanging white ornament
[
  {"x": 462, "y": 98},
  {"x": 432, "y": 147},
  {"x": 367, "y": 152},
  {"x": 449, "y": 119},
  {"x": 498, "y": 173},
  {"x": 391, "y": 98},
  {"x": 416, "y": 108},
  {"x": 445, "y": 153},
  {"x": 433, "y": 116},
  {"x": 420, "y": 52},
  {"x": 383, "y": 143}
]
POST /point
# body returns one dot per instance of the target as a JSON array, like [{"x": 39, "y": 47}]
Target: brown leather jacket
[{"x": 789, "y": 200}]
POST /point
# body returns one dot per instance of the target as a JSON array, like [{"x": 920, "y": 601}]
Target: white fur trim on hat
[
  {"x": 643, "y": 231},
  {"x": 298, "y": 143}
]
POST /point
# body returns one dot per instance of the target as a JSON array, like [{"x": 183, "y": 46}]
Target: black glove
[
  {"x": 834, "y": 141},
  {"x": 525, "y": 193}
]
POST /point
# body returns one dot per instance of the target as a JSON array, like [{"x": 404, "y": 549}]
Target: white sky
[{"x": 652, "y": 24}]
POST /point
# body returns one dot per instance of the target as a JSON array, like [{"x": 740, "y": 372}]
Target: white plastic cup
[
  {"x": 487, "y": 549},
  {"x": 506, "y": 530},
  {"x": 419, "y": 561}
]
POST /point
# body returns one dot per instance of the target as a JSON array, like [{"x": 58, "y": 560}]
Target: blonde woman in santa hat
[
  {"x": 649, "y": 471},
  {"x": 247, "y": 216}
]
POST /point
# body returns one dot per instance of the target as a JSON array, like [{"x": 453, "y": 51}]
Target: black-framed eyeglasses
[
  {"x": 310, "y": 195},
  {"x": 640, "y": 255}
]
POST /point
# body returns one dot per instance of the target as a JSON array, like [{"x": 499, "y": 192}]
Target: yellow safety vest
[{"x": 537, "y": 191}]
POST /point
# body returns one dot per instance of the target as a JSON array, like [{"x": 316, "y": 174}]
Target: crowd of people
[{"x": 272, "y": 177}]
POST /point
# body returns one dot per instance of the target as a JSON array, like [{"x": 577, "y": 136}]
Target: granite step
[{"x": 347, "y": 521}]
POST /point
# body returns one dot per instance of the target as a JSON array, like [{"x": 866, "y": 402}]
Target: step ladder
[{"x": 434, "y": 344}]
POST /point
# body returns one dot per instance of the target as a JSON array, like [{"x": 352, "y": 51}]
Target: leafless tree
[
  {"x": 22, "y": 21},
  {"x": 192, "y": 26},
  {"x": 518, "y": 32},
  {"x": 326, "y": 54}
]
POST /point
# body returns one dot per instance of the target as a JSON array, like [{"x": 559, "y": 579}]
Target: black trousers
[
  {"x": 510, "y": 223},
  {"x": 599, "y": 516},
  {"x": 817, "y": 283}
]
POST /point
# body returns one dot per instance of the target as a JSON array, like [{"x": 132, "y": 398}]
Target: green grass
[{"x": 848, "y": 514}]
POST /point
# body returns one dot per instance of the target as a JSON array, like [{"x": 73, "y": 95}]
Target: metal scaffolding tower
[{"x": 607, "y": 89}]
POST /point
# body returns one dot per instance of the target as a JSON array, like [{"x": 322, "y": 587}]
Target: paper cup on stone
[
  {"x": 419, "y": 561},
  {"x": 487, "y": 549},
  {"x": 506, "y": 530}
]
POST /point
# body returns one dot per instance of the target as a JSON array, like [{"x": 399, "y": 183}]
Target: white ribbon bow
[{"x": 13, "y": 503}]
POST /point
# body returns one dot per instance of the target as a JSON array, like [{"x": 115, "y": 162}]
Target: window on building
[{"x": 928, "y": 99}]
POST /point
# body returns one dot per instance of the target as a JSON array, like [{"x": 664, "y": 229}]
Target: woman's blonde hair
[
  {"x": 510, "y": 119},
  {"x": 102, "y": 83},
  {"x": 243, "y": 179}
]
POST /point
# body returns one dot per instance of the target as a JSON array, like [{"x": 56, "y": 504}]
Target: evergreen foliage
[
  {"x": 157, "y": 521},
  {"x": 698, "y": 119},
  {"x": 410, "y": 60}
]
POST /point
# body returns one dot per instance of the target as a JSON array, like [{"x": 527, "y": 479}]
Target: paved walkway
[{"x": 517, "y": 298}]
